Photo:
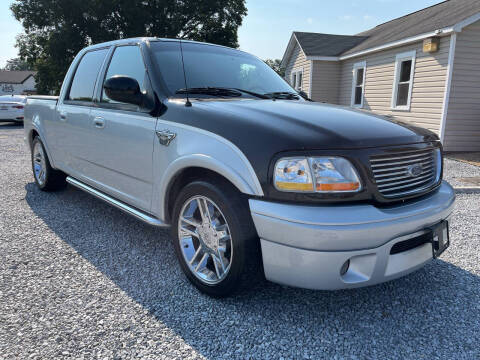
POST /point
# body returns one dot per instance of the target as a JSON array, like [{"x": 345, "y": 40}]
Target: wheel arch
[
  {"x": 196, "y": 166},
  {"x": 34, "y": 130},
  {"x": 32, "y": 135}
]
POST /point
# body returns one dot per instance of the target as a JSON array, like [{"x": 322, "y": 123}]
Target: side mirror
[{"x": 124, "y": 89}]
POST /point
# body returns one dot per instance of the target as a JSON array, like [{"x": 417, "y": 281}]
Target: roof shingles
[
  {"x": 314, "y": 44},
  {"x": 436, "y": 17},
  {"x": 14, "y": 77},
  {"x": 440, "y": 16}
]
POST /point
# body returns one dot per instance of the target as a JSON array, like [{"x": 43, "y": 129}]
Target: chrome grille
[{"x": 406, "y": 172}]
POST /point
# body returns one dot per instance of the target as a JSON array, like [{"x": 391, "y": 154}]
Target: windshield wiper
[
  {"x": 261, "y": 96},
  {"x": 285, "y": 95},
  {"x": 220, "y": 91},
  {"x": 210, "y": 91}
]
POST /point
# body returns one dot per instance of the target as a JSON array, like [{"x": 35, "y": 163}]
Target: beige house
[{"x": 423, "y": 68}]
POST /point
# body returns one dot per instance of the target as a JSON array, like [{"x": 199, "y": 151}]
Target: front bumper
[{"x": 306, "y": 246}]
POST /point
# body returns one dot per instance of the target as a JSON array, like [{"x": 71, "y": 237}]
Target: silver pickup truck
[{"x": 248, "y": 173}]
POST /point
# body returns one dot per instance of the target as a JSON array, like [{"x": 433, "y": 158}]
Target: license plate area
[{"x": 440, "y": 238}]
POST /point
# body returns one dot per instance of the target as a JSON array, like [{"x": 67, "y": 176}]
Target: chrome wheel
[
  {"x": 205, "y": 240},
  {"x": 39, "y": 164}
]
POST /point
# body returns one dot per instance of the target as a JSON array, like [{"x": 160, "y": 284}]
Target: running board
[{"x": 118, "y": 204}]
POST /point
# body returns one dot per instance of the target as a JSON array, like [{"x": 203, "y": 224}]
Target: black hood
[
  {"x": 263, "y": 128},
  {"x": 307, "y": 125}
]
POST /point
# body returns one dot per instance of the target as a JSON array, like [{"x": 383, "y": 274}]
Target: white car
[{"x": 12, "y": 107}]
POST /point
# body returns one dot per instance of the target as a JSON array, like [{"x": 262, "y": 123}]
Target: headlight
[{"x": 319, "y": 174}]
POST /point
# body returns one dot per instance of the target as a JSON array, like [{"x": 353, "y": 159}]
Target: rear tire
[
  {"x": 46, "y": 178},
  {"x": 222, "y": 253}
]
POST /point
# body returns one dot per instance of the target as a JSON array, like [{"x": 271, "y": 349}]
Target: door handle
[
  {"x": 63, "y": 116},
  {"x": 99, "y": 122}
]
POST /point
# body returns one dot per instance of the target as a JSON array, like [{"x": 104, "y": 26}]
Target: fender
[
  {"x": 199, "y": 161},
  {"x": 194, "y": 147},
  {"x": 207, "y": 162}
]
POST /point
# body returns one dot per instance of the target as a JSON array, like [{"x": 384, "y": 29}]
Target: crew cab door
[
  {"x": 67, "y": 132},
  {"x": 123, "y": 135}
]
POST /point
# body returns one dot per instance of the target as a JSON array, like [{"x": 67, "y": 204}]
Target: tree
[
  {"x": 276, "y": 65},
  {"x": 56, "y": 30},
  {"x": 16, "y": 64}
]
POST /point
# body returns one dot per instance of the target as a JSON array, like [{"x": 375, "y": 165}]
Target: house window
[
  {"x": 358, "y": 84},
  {"x": 297, "y": 79},
  {"x": 403, "y": 83}
]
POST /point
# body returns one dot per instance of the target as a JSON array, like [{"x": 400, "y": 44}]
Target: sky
[{"x": 267, "y": 28}]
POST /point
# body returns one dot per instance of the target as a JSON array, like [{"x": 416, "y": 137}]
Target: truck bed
[
  {"x": 43, "y": 97},
  {"x": 40, "y": 108}
]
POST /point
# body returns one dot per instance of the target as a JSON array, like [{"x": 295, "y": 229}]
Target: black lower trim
[{"x": 412, "y": 243}]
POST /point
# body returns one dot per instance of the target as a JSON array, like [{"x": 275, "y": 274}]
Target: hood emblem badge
[
  {"x": 165, "y": 136},
  {"x": 414, "y": 170}
]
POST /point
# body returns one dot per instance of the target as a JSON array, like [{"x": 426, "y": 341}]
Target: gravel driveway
[{"x": 81, "y": 279}]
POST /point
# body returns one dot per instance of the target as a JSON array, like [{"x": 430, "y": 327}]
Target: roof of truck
[{"x": 146, "y": 39}]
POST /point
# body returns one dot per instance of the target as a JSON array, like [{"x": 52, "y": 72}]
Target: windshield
[{"x": 209, "y": 66}]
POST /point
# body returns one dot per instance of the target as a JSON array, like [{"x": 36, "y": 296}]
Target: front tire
[
  {"x": 214, "y": 237},
  {"x": 46, "y": 178}
]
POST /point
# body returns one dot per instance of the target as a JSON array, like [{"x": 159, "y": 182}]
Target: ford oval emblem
[{"x": 414, "y": 170}]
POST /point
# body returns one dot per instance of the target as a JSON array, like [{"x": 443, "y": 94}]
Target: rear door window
[{"x": 83, "y": 83}]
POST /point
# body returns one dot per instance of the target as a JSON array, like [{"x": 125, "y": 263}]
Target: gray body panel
[{"x": 126, "y": 160}]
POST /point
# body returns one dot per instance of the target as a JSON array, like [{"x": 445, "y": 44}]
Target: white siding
[
  {"x": 298, "y": 60},
  {"x": 325, "y": 81},
  {"x": 17, "y": 89},
  {"x": 428, "y": 84},
  {"x": 462, "y": 128}
]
